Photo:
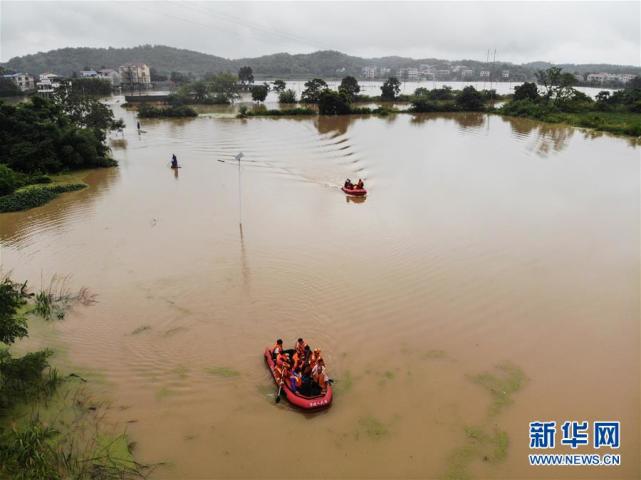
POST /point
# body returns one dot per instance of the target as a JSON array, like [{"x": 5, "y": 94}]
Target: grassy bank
[
  {"x": 38, "y": 194},
  {"x": 51, "y": 425},
  {"x": 620, "y": 123}
]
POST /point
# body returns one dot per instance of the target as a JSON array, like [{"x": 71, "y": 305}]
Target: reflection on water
[
  {"x": 470, "y": 251},
  {"x": 548, "y": 137},
  {"x": 350, "y": 199}
]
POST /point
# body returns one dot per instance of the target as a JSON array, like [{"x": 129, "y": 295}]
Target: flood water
[{"x": 484, "y": 242}]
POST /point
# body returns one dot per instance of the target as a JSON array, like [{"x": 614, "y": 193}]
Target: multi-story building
[
  {"x": 23, "y": 81},
  {"x": 49, "y": 83},
  {"x": 384, "y": 71},
  {"x": 88, "y": 73},
  {"x": 485, "y": 74},
  {"x": 135, "y": 75},
  {"x": 111, "y": 75},
  {"x": 443, "y": 73},
  {"x": 369, "y": 72},
  {"x": 610, "y": 77},
  {"x": 505, "y": 74},
  {"x": 467, "y": 73}
]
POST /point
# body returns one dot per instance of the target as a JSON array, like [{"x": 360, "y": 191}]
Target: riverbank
[
  {"x": 38, "y": 194},
  {"x": 51, "y": 422},
  {"x": 619, "y": 123}
]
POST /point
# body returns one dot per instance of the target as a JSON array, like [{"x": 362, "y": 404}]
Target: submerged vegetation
[
  {"x": 38, "y": 440},
  {"x": 486, "y": 442},
  {"x": 35, "y": 196},
  {"x": 149, "y": 111},
  {"x": 556, "y": 101},
  {"x": 41, "y": 137}
]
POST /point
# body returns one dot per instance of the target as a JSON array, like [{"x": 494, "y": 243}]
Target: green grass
[
  {"x": 501, "y": 384},
  {"x": 35, "y": 196},
  {"x": 372, "y": 427},
  {"x": 222, "y": 372}
]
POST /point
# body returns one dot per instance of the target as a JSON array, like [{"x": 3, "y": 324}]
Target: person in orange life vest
[
  {"x": 360, "y": 185},
  {"x": 298, "y": 361},
  {"x": 277, "y": 348},
  {"x": 319, "y": 373},
  {"x": 300, "y": 346},
  {"x": 314, "y": 357}
]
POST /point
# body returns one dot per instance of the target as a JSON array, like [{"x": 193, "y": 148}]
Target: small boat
[
  {"x": 306, "y": 403},
  {"x": 355, "y": 192}
]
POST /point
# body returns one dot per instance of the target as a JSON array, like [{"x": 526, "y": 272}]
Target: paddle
[{"x": 280, "y": 387}]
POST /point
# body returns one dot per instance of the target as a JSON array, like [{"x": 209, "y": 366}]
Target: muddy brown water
[{"x": 483, "y": 240}]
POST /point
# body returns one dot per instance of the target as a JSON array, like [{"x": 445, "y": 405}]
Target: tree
[
  {"x": 224, "y": 85},
  {"x": 526, "y": 91},
  {"x": 391, "y": 88},
  {"x": 155, "y": 76},
  {"x": 349, "y": 87},
  {"x": 548, "y": 79},
  {"x": 313, "y": 89},
  {"x": 287, "y": 96},
  {"x": 200, "y": 90},
  {"x": 178, "y": 78},
  {"x": 245, "y": 76},
  {"x": 279, "y": 86},
  {"x": 8, "y": 88},
  {"x": 259, "y": 92},
  {"x": 333, "y": 103},
  {"x": 12, "y": 326},
  {"x": 470, "y": 99},
  {"x": 421, "y": 92}
]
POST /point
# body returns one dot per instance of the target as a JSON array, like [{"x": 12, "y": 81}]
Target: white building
[
  {"x": 23, "y": 81},
  {"x": 467, "y": 73},
  {"x": 111, "y": 75},
  {"x": 49, "y": 83},
  {"x": 384, "y": 71},
  {"x": 369, "y": 72},
  {"x": 610, "y": 77},
  {"x": 135, "y": 75},
  {"x": 505, "y": 74},
  {"x": 88, "y": 73},
  {"x": 443, "y": 73},
  {"x": 485, "y": 74}
]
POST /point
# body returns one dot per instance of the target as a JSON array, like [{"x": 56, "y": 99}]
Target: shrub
[
  {"x": 7, "y": 180},
  {"x": 148, "y": 111},
  {"x": 34, "y": 197},
  {"x": 287, "y": 96}
]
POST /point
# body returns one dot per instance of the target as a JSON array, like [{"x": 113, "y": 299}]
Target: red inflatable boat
[
  {"x": 356, "y": 192},
  {"x": 296, "y": 399}
]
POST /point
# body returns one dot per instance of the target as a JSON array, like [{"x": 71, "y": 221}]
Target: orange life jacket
[
  {"x": 276, "y": 349},
  {"x": 300, "y": 348}
]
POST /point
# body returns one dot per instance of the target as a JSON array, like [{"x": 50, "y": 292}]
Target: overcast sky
[{"x": 560, "y": 32}]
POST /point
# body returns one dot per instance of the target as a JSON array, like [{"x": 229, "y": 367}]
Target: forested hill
[{"x": 165, "y": 59}]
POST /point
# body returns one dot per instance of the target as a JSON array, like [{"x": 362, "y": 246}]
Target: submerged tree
[
  {"x": 245, "y": 76},
  {"x": 259, "y": 92},
  {"x": 333, "y": 103},
  {"x": 279, "y": 86},
  {"x": 313, "y": 89},
  {"x": 349, "y": 87},
  {"x": 287, "y": 96},
  {"x": 391, "y": 88},
  {"x": 526, "y": 91}
]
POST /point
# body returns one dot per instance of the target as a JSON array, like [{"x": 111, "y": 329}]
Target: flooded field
[{"x": 490, "y": 279}]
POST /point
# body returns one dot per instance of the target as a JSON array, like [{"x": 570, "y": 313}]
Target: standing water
[{"x": 489, "y": 279}]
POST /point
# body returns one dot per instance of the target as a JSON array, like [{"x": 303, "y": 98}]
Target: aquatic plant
[
  {"x": 372, "y": 427},
  {"x": 56, "y": 298},
  {"x": 502, "y": 385},
  {"x": 222, "y": 372}
]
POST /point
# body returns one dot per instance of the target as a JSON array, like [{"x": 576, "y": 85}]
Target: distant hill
[{"x": 328, "y": 63}]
